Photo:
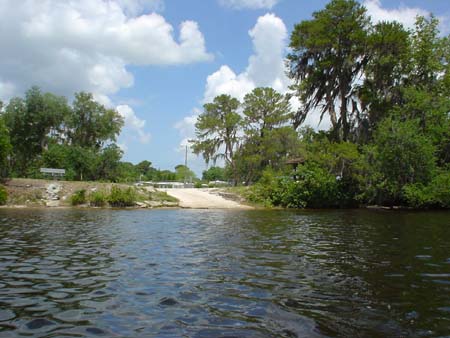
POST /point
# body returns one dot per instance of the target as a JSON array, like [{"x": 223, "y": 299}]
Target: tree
[
  {"x": 328, "y": 56},
  {"x": 217, "y": 131},
  {"x": 268, "y": 136},
  {"x": 31, "y": 122},
  {"x": 214, "y": 174},
  {"x": 264, "y": 110},
  {"x": 401, "y": 156},
  {"x": 385, "y": 75},
  {"x": 144, "y": 168},
  {"x": 184, "y": 174},
  {"x": 5, "y": 148},
  {"x": 108, "y": 163},
  {"x": 90, "y": 124}
]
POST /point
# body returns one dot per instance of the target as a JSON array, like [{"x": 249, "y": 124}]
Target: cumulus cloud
[
  {"x": 250, "y": 4},
  {"x": 265, "y": 67},
  {"x": 68, "y": 46},
  {"x": 133, "y": 123},
  {"x": 135, "y": 7},
  {"x": 405, "y": 15},
  {"x": 86, "y": 45}
]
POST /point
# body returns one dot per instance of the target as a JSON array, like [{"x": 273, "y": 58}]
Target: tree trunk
[{"x": 344, "y": 117}]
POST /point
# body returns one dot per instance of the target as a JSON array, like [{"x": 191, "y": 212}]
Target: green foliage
[
  {"x": 120, "y": 198},
  {"x": 78, "y": 197},
  {"x": 434, "y": 195},
  {"x": 328, "y": 54},
  {"x": 217, "y": 131},
  {"x": 31, "y": 121},
  {"x": 313, "y": 188},
  {"x": 5, "y": 148},
  {"x": 401, "y": 155},
  {"x": 98, "y": 198},
  {"x": 90, "y": 125},
  {"x": 3, "y": 195},
  {"x": 161, "y": 196},
  {"x": 389, "y": 44},
  {"x": 184, "y": 174},
  {"x": 214, "y": 174}
]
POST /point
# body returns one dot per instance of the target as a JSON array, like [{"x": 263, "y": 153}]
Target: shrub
[
  {"x": 78, "y": 197},
  {"x": 3, "y": 195},
  {"x": 403, "y": 156},
  {"x": 120, "y": 198},
  {"x": 434, "y": 195},
  {"x": 97, "y": 199},
  {"x": 161, "y": 196}
]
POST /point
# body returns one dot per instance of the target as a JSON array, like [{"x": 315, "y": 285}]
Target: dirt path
[{"x": 203, "y": 199}]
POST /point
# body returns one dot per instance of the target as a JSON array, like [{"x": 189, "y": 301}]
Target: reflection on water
[{"x": 179, "y": 273}]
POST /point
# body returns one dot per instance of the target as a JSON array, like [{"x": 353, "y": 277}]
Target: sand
[{"x": 203, "y": 199}]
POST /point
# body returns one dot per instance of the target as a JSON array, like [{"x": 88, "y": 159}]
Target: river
[{"x": 243, "y": 273}]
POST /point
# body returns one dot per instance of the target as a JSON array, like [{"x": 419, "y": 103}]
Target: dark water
[{"x": 71, "y": 273}]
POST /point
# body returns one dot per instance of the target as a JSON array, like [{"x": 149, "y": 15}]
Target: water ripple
[{"x": 180, "y": 273}]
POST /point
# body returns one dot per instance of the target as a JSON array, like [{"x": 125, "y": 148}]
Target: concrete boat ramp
[{"x": 203, "y": 199}]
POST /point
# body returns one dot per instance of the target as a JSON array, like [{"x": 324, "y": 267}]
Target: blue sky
[{"x": 158, "y": 61}]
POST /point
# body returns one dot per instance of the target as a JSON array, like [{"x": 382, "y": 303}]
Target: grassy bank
[{"x": 50, "y": 193}]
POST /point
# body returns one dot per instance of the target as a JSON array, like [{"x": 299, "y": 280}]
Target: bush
[
  {"x": 3, "y": 195},
  {"x": 79, "y": 197},
  {"x": 434, "y": 195},
  {"x": 120, "y": 198},
  {"x": 161, "y": 196},
  {"x": 97, "y": 199},
  {"x": 402, "y": 156},
  {"x": 314, "y": 188}
]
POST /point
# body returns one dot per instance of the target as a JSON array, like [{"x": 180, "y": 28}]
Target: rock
[
  {"x": 53, "y": 188},
  {"x": 52, "y": 192},
  {"x": 169, "y": 204},
  {"x": 52, "y": 203},
  {"x": 153, "y": 204},
  {"x": 141, "y": 205}
]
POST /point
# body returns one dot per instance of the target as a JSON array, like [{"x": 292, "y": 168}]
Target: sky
[{"x": 158, "y": 61}]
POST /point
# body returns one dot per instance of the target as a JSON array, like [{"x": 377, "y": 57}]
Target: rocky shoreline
[{"x": 36, "y": 193}]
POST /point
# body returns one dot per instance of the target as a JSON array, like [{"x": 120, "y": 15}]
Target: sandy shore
[{"x": 203, "y": 199}]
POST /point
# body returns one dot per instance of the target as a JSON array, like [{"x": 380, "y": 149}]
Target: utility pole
[{"x": 185, "y": 164}]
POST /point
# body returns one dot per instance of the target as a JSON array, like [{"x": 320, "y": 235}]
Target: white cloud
[
  {"x": 68, "y": 46},
  {"x": 134, "y": 124},
  {"x": 225, "y": 81},
  {"x": 250, "y": 4},
  {"x": 402, "y": 14},
  {"x": 186, "y": 129},
  {"x": 135, "y": 7},
  {"x": 265, "y": 67}
]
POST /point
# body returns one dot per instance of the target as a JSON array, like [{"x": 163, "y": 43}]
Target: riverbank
[{"x": 37, "y": 193}]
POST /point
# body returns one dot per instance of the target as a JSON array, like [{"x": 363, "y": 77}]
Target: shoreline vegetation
[
  {"x": 38, "y": 193},
  {"x": 383, "y": 88}
]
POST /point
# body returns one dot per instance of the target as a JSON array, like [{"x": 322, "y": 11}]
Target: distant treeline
[
  {"x": 44, "y": 130},
  {"x": 386, "y": 92}
]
